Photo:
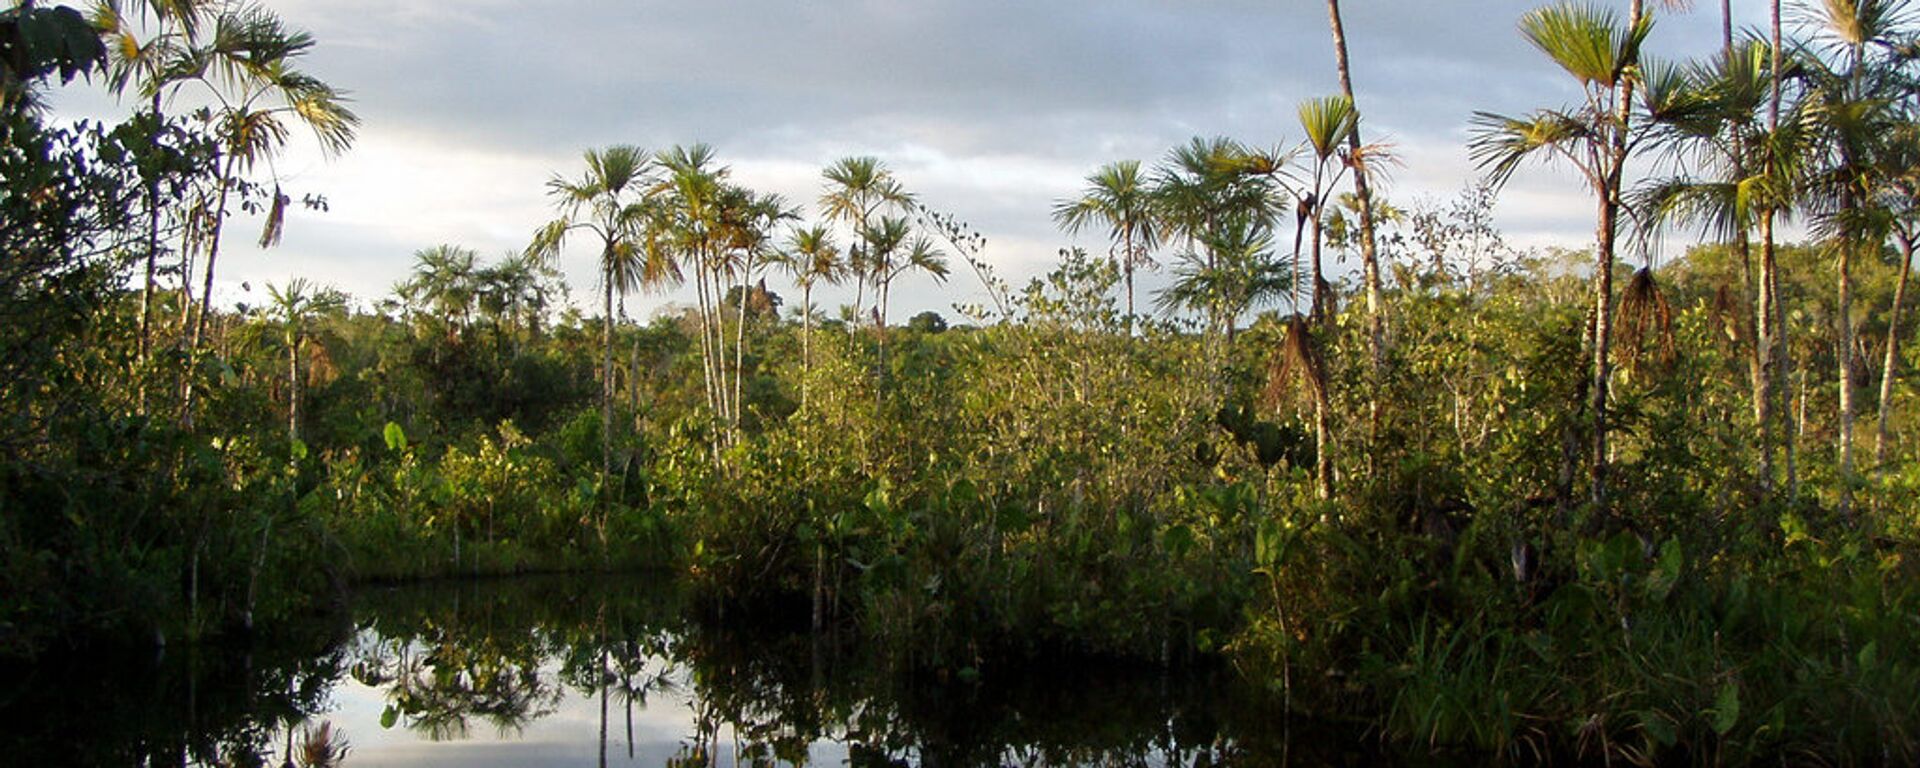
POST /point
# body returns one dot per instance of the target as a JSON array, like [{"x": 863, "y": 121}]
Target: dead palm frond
[
  {"x": 1646, "y": 322},
  {"x": 1298, "y": 361}
]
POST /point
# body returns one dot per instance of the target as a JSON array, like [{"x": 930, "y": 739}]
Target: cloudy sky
[{"x": 989, "y": 109}]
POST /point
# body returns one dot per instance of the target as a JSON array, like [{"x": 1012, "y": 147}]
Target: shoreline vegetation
[{"x": 1474, "y": 500}]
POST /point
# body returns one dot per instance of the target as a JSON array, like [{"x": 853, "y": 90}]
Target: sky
[{"x": 991, "y": 110}]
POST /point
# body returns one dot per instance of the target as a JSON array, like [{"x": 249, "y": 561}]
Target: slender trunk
[
  {"x": 806, "y": 341},
  {"x": 1322, "y": 445},
  {"x": 153, "y": 249},
  {"x": 293, "y": 387},
  {"x": 1369, "y": 258},
  {"x": 1843, "y": 334},
  {"x": 1602, "y": 334},
  {"x": 740, "y": 341},
  {"x": 606, "y": 398},
  {"x": 1127, "y": 269},
  {"x": 1321, "y": 312},
  {"x": 1765, "y": 340},
  {"x": 1890, "y": 369}
]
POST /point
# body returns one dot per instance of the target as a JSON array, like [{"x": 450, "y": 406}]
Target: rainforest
[{"x": 1265, "y": 465}]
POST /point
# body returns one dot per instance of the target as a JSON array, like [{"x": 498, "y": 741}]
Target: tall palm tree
[
  {"x": 1117, "y": 196},
  {"x": 693, "y": 192},
  {"x": 248, "y": 66},
  {"x": 150, "y": 68},
  {"x": 1854, "y": 92},
  {"x": 1592, "y": 45},
  {"x": 1709, "y": 118},
  {"x": 609, "y": 201},
  {"x": 811, "y": 256}
]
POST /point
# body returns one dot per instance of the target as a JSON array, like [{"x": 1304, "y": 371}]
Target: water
[{"x": 562, "y": 671}]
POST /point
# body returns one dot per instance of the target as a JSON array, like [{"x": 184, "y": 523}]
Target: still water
[{"x": 576, "y": 672}]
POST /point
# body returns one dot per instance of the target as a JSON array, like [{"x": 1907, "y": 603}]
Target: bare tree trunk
[
  {"x": 1843, "y": 337},
  {"x": 1369, "y": 254},
  {"x": 606, "y": 398},
  {"x": 1890, "y": 369},
  {"x": 1602, "y": 335}
]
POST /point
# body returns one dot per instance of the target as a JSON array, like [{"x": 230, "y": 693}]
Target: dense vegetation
[{"x": 1475, "y": 498}]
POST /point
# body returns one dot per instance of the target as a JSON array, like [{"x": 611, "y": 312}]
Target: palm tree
[
  {"x": 149, "y": 67},
  {"x": 1901, "y": 200},
  {"x": 811, "y": 257},
  {"x": 1220, "y": 198},
  {"x": 445, "y": 279},
  {"x": 748, "y": 221},
  {"x": 610, "y": 201},
  {"x": 293, "y": 310},
  {"x": 1853, "y": 96},
  {"x": 1710, "y": 115},
  {"x": 1327, "y": 121},
  {"x": 1116, "y": 195},
  {"x": 248, "y": 67},
  {"x": 692, "y": 209},
  {"x": 858, "y": 189},
  {"x": 1592, "y": 45}
]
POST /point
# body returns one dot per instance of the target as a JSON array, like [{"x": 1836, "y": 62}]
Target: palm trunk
[
  {"x": 806, "y": 341},
  {"x": 1322, "y": 445},
  {"x": 1890, "y": 369},
  {"x": 1321, "y": 312},
  {"x": 293, "y": 386},
  {"x": 740, "y": 341},
  {"x": 1765, "y": 340},
  {"x": 1127, "y": 269},
  {"x": 1369, "y": 258},
  {"x": 1844, "y": 342},
  {"x": 153, "y": 251},
  {"x": 606, "y": 398},
  {"x": 1602, "y": 334}
]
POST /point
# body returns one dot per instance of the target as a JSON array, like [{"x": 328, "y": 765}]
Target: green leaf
[
  {"x": 1726, "y": 709},
  {"x": 299, "y": 450},
  {"x": 389, "y": 716},
  {"x": 396, "y": 437}
]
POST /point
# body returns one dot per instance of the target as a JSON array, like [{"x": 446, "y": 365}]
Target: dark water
[{"x": 602, "y": 671}]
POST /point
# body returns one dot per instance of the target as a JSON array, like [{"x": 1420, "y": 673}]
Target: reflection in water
[{"x": 556, "y": 670}]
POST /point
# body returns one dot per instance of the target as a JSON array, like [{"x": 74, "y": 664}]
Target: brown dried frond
[
  {"x": 1297, "y": 359},
  {"x": 1646, "y": 322}
]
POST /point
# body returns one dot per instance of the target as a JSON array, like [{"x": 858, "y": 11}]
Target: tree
[
  {"x": 811, "y": 256},
  {"x": 1592, "y": 45},
  {"x": 610, "y": 201},
  {"x": 857, "y": 190},
  {"x": 151, "y": 68},
  {"x": 1117, "y": 196},
  {"x": 292, "y": 312},
  {"x": 1327, "y": 121},
  {"x": 247, "y": 65},
  {"x": 1853, "y": 95}
]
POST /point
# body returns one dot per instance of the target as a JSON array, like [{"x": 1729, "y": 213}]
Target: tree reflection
[{"x": 449, "y": 660}]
